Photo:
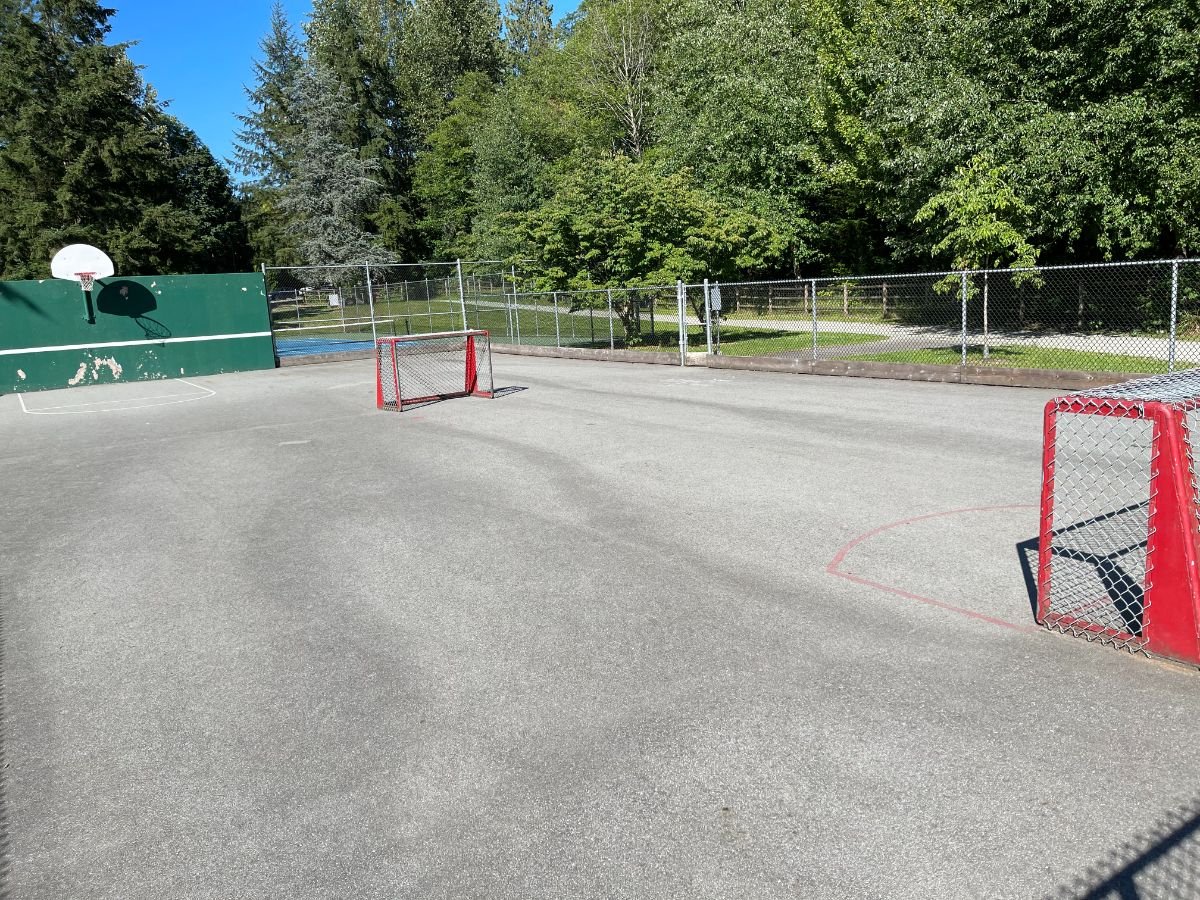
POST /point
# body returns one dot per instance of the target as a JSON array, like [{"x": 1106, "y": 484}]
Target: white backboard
[{"x": 75, "y": 259}]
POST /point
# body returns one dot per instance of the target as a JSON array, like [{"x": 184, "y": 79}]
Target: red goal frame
[
  {"x": 476, "y": 368},
  {"x": 1167, "y": 619}
]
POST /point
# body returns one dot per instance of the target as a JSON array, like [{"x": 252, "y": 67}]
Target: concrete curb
[
  {"x": 1050, "y": 379},
  {"x": 316, "y": 358},
  {"x": 650, "y": 357}
]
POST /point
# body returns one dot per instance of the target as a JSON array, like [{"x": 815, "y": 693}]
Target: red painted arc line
[{"x": 834, "y": 566}]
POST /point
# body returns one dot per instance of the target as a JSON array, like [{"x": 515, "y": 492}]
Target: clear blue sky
[{"x": 200, "y": 56}]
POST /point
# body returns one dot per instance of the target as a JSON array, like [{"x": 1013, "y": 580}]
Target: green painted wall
[{"x": 165, "y": 326}]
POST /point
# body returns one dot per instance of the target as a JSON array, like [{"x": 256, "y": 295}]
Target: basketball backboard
[
  {"x": 82, "y": 263},
  {"x": 76, "y": 262}
]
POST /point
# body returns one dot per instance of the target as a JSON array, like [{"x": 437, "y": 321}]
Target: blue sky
[{"x": 200, "y": 56}]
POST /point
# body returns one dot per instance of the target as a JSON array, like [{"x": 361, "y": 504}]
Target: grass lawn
[
  {"x": 1028, "y": 357},
  {"x": 751, "y": 341},
  {"x": 757, "y": 342}
]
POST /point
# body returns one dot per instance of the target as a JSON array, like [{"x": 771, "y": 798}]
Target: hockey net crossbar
[
  {"x": 422, "y": 368},
  {"x": 1120, "y": 516}
]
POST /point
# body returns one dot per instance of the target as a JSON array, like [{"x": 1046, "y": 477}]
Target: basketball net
[{"x": 86, "y": 280}]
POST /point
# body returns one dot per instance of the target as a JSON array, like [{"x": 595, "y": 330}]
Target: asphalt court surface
[{"x": 632, "y": 632}]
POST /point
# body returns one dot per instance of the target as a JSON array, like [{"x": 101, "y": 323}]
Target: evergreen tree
[
  {"x": 268, "y": 129},
  {"x": 197, "y": 214},
  {"x": 445, "y": 39},
  {"x": 270, "y": 125},
  {"x": 87, "y": 155},
  {"x": 358, "y": 43},
  {"x": 445, "y": 169},
  {"x": 528, "y": 29},
  {"x": 332, "y": 191}
]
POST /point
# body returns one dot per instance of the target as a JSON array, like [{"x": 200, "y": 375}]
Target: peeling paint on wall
[
  {"x": 191, "y": 308},
  {"x": 111, "y": 364}
]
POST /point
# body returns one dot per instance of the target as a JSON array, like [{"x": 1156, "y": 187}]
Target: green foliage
[
  {"x": 982, "y": 218},
  {"x": 528, "y": 30},
  {"x": 444, "y": 40},
  {"x": 329, "y": 197},
  {"x": 615, "y": 48},
  {"x": 617, "y": 220},
  {"x": 87, "y": 155},
  {"x": 443, "y": 175},
  {"x": 270, "y": 126},
  {"x": 641, "y": 140},
  {"x": 1089, "y": 111},
  {"x": 735, "y": 104}
]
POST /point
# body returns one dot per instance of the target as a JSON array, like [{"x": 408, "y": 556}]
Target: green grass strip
[{"x": 1028, "y": 357}]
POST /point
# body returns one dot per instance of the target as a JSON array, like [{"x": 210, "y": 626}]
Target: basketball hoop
[{"x": 86, "y": 280}]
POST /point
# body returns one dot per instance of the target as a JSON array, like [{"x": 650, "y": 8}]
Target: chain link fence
[{"x": 1121, "y": 317}]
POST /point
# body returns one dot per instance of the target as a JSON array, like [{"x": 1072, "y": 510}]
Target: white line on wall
[{"x": 154, "y": 343}]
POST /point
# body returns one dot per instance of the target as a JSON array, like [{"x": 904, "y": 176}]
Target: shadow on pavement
[
  {"x": 505, "y": 391},
  {"x": 1027, "y": 553},
  {"x": 1162, "y": 864}
]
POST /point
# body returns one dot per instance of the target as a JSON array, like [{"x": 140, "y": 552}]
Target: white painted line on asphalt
[
  {"x": 352, "y": 384},
  {"x": 69, "y": 409}
]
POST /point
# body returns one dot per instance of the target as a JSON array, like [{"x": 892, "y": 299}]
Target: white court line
[
  {"x": 73, "y": 409},
  {"x": 334, "y": 387}
]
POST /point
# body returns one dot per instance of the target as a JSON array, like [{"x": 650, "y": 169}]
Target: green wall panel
[{"x": 145, "y": 327}]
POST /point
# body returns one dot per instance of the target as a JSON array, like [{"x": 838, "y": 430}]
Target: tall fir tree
[
  {"x": 444, "y": 40},
  {"x": 528, "y": 30},
  {"x": 358, "y": 44},
  {"x": 87, "y": 155},
  {"x": 270, "y": 126},
  {"x": 332, "y": 191},
  {"x": 268, "y": 129}
]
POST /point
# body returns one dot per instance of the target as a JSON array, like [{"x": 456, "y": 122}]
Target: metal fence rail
[{"x": 1141, "y": 317}]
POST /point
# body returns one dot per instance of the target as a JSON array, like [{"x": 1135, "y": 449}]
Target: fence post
[
  {"x": 1174, "y": 314},
  {"x": 964, "y": 318},
  {"x": 814, "y": 318},
  {"x": 371, "y": 302},
  {"x": 611, "y": 343},
  {"x": 516, "y": 305},
  {"x": 557, "y": 333},
  {"x": 508, "y": 308},
  {"x": 985, "y": 321},
  {"x": 462, "y": 296},
  {"x": 681, "y": 304},
  {"x": 707, "y": 318}
]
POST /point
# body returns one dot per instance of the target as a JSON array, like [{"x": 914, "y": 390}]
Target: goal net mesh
[
  {"x": 1104, "y": 477},
  {"x": 423, "y": 368}
]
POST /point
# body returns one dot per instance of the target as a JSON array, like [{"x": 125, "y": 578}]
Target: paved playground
[{"x": 626, "y": 632}]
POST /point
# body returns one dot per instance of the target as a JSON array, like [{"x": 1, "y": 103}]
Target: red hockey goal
[
  {"x": 420, "y": 368},
  {"x": 1120, "y": 516}
]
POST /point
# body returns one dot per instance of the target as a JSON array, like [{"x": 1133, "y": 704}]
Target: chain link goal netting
[
  {"x": 1120, "y": 516},
  {"x": 421, "y": 368}
]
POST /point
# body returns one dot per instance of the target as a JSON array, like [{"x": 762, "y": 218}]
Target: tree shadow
[
  {"x": 7, "y": 293},
  {"x": 1161, "y": 864}
]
